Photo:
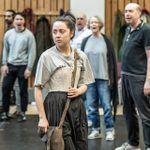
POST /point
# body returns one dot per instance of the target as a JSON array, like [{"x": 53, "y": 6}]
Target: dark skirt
[{"x": 75, "y": 129}]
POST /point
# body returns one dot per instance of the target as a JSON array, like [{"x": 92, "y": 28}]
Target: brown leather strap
[
  {"x": 76, "y": 57},
  {"x": 64, "y": 113},
  {"x": 49, "y": 135}
]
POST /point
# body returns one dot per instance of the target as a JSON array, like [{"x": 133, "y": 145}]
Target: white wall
[{"x": 89, "y": 7}]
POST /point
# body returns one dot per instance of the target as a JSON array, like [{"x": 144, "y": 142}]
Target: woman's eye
[{"x": 62, "y": 31}]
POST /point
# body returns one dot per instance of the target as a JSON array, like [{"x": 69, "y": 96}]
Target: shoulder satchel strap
[{"x": 76, "y": 57}]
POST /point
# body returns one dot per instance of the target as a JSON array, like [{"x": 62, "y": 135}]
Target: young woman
[{"x": 54, "y": 69}]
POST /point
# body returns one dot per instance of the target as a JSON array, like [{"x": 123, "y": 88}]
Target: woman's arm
[{"x": 43, "y": 123}]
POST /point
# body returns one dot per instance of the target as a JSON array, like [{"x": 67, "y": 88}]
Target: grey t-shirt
[
  {"x": 96, "y": 51},
  {"x": 55, "y": 70}
]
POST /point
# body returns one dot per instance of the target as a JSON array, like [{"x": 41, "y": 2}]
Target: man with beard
[
  {"x": 15, "y": 98},
  {"x": 19, "y": 53},
  {"x": 9, "y": 18}
]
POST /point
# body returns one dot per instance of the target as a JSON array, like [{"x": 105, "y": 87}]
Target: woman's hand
[
  {"x": 43, "y": 125},
  {"x": 73, "y": 92}
]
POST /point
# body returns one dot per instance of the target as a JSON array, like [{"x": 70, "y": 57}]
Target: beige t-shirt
[{"x": 55, "y": 70}]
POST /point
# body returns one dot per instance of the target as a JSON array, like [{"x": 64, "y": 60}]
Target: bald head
[
  {"x": 134, "y": 6},
  {"x": 132, "y": 14},
  {"x": 81, "y": 14},
  {"x": 81, "y": 20}
]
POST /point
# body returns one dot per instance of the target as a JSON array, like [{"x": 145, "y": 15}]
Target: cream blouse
[{"x": 55, "y": 70}]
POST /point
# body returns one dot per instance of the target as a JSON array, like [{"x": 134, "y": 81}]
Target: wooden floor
[{"x": 23, "y": 136}]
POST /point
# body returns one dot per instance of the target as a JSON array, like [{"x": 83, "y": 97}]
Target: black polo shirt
[{"x": 134, "y": 60}]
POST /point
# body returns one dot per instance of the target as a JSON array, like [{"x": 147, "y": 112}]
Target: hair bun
[
  {"x": 61, "y": 12},
  {"x": 69, "y": 15}
]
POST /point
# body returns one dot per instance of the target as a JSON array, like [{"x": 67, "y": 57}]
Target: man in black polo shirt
[{"x": 136, "y": 77}]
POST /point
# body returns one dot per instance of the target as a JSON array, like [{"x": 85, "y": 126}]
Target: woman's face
[
  {"x": 94, "y": 25},
  {"x": 61, "y": 34}
]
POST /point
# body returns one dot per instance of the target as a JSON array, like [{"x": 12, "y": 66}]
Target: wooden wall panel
[
  {"x": 121, "y": 5},
  {"x": 108, "y": 18},
  {"x": 141, "y": 3},
  {"x": 53, "y": 5},
  {"x": 134, "y": 1},
  {"x": 48, "y": 5},
  {"x": 66, "y": 5},
  {"x": 21, "y": 5},
  {"x": 40, "y": 5},
  {"x": 7, "y": 4},
  {"x": 14, "y": 4},
  {"x": 114, "y": 10},
  {"x": 2, "y": 8},
  {"x": 147, "y": 4},
  {"x": 27, "y": 4},
  {"x": 49, "y": 8},
  {"x": 60, "y": 4},
  {"x": 34, "y": 5},
  {"x": 127, "y": 1}
]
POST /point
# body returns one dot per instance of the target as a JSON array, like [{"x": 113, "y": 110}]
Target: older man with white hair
[{"x": 81, "y": 31}]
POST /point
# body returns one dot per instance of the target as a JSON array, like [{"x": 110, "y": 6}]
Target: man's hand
[
  {"x": 27, "y": 73},
  {"x": 147, "y": 87},
  {"x": 4, "y": 70}
]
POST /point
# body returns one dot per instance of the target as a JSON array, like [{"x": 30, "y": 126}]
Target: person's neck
[
  {"x": 81, "y": 29},
  {"x": 20, "y": 29},
  {"x": 66, "y": 51},
  {"x": 97, "y": 34},
  {"x": 134, "y": 26},
  {"x": 9, "y": 26}
]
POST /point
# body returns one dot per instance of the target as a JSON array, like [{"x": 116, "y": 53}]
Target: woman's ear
[{"x": 72, "y": 34}]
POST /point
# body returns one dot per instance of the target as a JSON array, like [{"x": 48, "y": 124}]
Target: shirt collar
[{"x": 138, "y": 27}]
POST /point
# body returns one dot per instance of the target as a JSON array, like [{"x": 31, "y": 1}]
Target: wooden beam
[{"x": 39, "y": 13}]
